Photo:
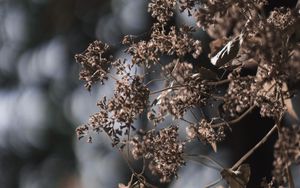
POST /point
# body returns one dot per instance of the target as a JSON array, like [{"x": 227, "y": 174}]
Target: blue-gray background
[{"x": 41, "y": 99}]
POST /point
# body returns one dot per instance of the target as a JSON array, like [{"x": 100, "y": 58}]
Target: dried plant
[{"x": 267, "y": 45}]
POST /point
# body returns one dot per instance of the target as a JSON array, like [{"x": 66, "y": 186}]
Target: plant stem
[
  {"x": 235, "y": 120},
  {"x": 187, "y": 121},
  {"x": 154, "y": 80},
  {"x": 250, "y": 152},
  {"x": 261, "y": 142},
  {"x": 167, "y": 88},
  {"x": 212, "y": 83},
  {"x": 290, "y": 177}
]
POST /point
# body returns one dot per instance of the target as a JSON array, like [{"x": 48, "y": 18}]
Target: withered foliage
[
  {"x": 287, "y": 152},
  {"x": 177, "y": 41},
  {"x": 205, "y": 132},
  {"x": 244, "y": 39},
  {"x": 94, "y": 66},
  {"x": 163, "y": 149}
]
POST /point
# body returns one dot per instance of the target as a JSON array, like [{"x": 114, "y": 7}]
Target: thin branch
[
  {"x": 137, "y": 175},
  {"x": 214, "y": 96},
  {"x": 167, "y": 88},
  {"x": 218, "y": 82},
  {"x": 213, "y": 183},
  {"x": 131, "y": 179},
  {"x": 235, "y": 120},
  {"x": 168, "y": 71},
  {"x": 226, "y": 81},
  {"x": 187, "y": 121},
  {"x": 261, "y": 142},
  {"x": 201, "y": 158},
  {"x": 144, "y": 166},
  {"x": 113, "y": 77},
  {"x": 250, "y": 152},
  {"x": 290, "y": 177},
  {"x": 154, "y": 80},
  {"x": 193, "y": 113},
  {"x": 179, "y": 86}
]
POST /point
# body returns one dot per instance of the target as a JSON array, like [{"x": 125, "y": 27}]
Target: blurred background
[{"x": 42, "y": 101}]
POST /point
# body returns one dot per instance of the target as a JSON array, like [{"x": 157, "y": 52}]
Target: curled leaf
[{"x": 228, "y": 52}]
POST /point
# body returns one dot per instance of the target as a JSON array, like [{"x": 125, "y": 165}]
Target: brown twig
[
  {"x": 290, "y": 177},
  {"x": 166, "y": 88},
  {"x": 261, "y": 142},
  {"x": 251, "y": 151},
  {"x": 139, "y": 176},
  {"x": 235, "y": 120},
  {"x": 217, "y": 82},
  {"x": 187, "y": 121},
  {"x": 154, "y": 80}
]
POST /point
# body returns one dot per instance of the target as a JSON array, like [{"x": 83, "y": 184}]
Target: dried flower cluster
[
  {"x": 258, "y": 55},
  {"x": 175, "y": 42},
  {"x": 186, "y": 91},
  {"x": 239, "y": 96},
  {"x": 282, "y": 18},
  {"x": 287, "y": 152},
  {"x": 130, "y": 99},
  {"x": 206, "y": 133},
  {"x": 163, "y": 149},
  {"x": 162, "y": 10},
  {"x": 94, "y": 66}
]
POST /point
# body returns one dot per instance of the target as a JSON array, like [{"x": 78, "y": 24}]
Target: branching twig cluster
[{"x": 251, "y": 40}]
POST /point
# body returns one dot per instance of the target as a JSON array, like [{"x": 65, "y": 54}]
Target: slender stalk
[
  {"x": 290, "y": 177},
  {"x": 235, "y": 120},
  {"x": 187, "y": 121},
  {"x": 251, "y": 151},
  {"x": 194, "y": 115},
  {"x": 179, "y": 86},
  {"x": 113, "y": 77},
  {"x": 261, "y": 142},
  {"x": 218, "y": 82},
  {"x": 201, "y": 158},
  {"x": 213, "y": 183},
  {"x": 167, "y": 88},
  {"x": 137, "y": 175},
  {"x": 154, "y": 80}
]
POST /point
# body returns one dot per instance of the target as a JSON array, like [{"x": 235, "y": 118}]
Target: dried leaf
[
  {"x": 216, "y": 44},
  {"x": 155, "y": 101},
  {"x": 214, "y": 146},
  {"x": 238, "y": 178},
  {"x": 228, "y": 52}
]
